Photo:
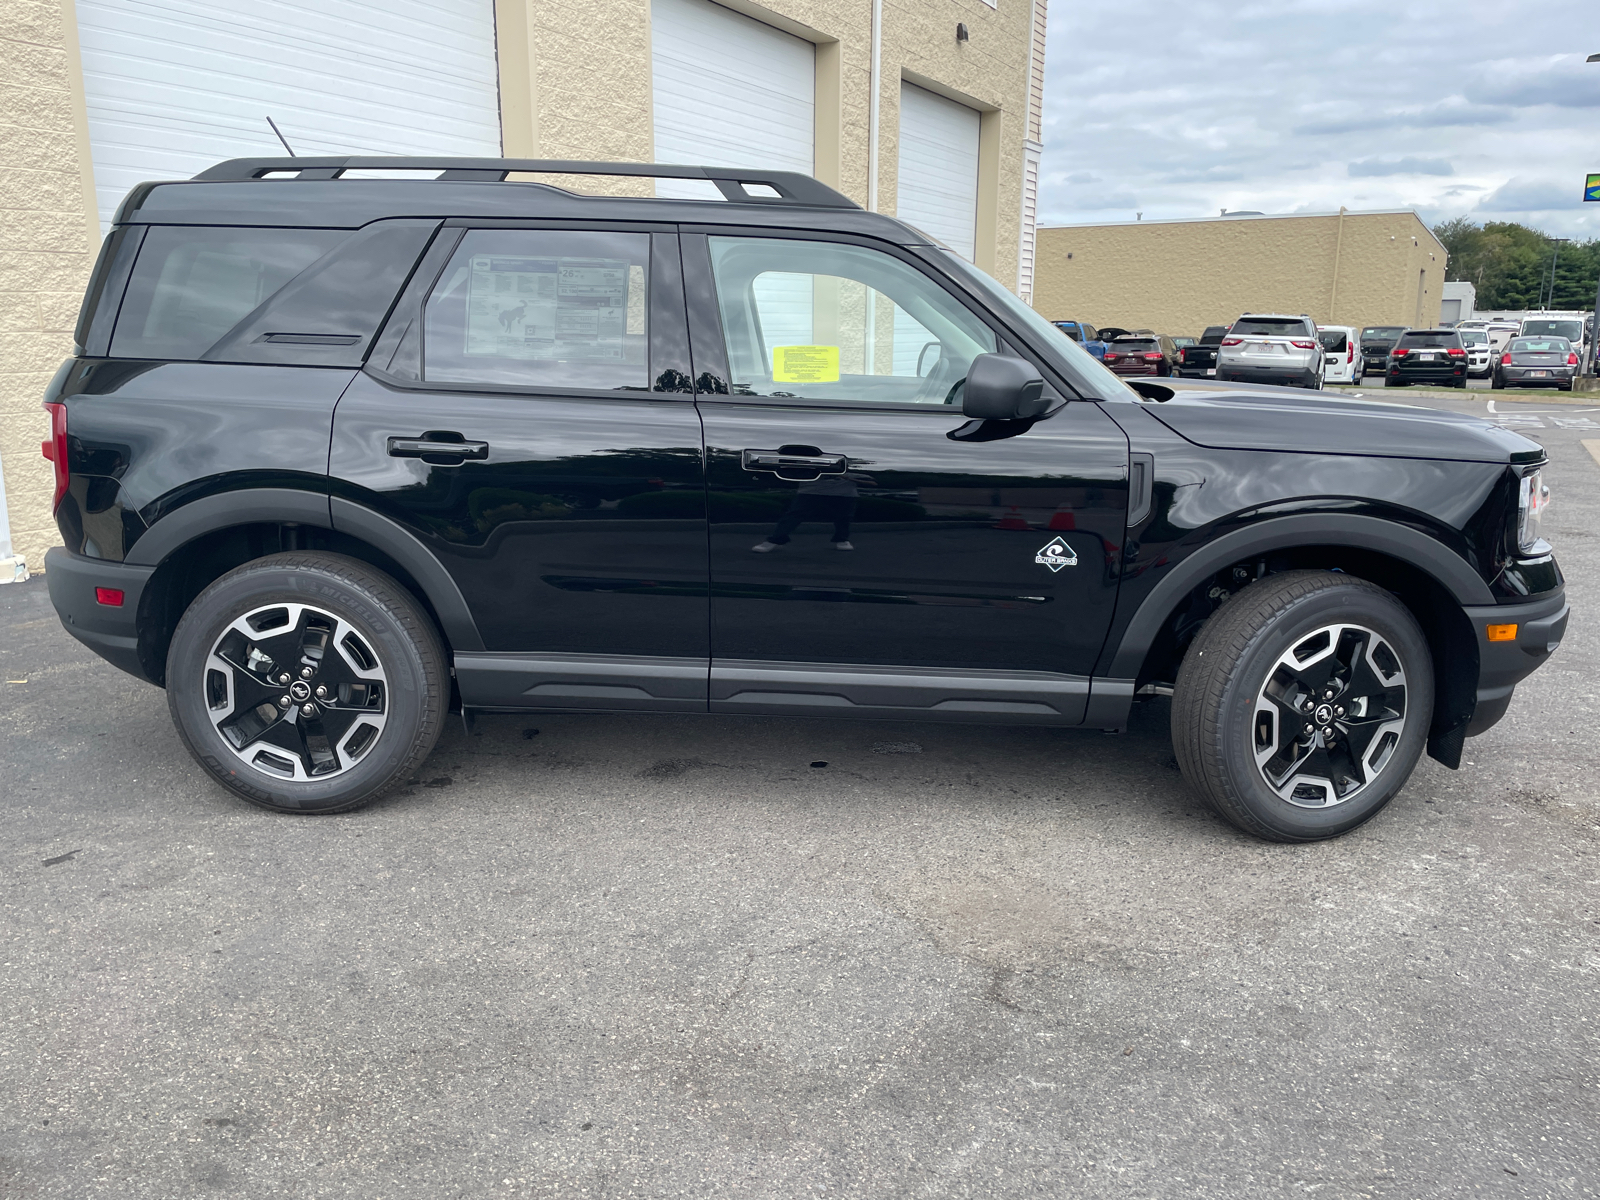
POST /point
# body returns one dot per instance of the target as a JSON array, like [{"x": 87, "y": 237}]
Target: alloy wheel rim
[
  {"x": 1329, "y": 716},
  {"x": 295, "y": 692}
]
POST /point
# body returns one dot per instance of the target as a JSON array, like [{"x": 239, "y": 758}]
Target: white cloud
[{"x": 1180, "y": 108}]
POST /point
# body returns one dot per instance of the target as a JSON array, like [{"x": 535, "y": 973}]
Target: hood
[{"x": 1313, "y": 422}]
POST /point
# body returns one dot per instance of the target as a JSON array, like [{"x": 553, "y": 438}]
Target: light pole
[
  {"x": 1593, "y": 350},
  {"x": 1555, "y": 257}
]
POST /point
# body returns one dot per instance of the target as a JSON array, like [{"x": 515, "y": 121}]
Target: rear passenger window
[
  {"x": 541, "y": 308},
  {"x": 191, "y": 285}
]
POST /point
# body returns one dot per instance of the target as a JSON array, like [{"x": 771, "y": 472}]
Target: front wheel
[
  {"x": 1302, "y": 706},
  {"x": 307, "y": 683}
]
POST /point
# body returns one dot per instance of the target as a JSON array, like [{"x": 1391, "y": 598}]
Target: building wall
[
  {"x": 599, "y": 50},
  {"x": 1177, "y": 277},
  {"x": 48, "y": 239}
]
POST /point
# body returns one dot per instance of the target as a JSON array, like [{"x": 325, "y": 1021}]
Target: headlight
[{"x": 1532, "y": 500}]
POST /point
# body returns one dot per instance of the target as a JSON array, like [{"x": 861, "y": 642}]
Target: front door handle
[
  {"x": 437, "y": 445},
  {"x": 790, "y": 459}
]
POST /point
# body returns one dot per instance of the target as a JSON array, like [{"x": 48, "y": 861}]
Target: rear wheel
[
  {"x": 307, "y": 682},
  {"x": 1302, "y": 707}
]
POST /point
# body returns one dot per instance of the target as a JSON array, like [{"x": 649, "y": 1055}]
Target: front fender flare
[{"x": 1450, "y": 570}]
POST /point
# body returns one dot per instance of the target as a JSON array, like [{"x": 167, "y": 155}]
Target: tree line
[{"x": 1510, "y": 265}]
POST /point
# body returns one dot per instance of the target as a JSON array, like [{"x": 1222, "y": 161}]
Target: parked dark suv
[
  {"x": 1427, "y": 356},
  {"x": 337, "y": 456}
]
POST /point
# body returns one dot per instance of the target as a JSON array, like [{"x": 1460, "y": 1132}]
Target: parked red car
[{"x": 1142, "y": 354}]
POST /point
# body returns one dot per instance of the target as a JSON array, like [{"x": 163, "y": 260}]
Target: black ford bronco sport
[{"x": 336, "y": 456}]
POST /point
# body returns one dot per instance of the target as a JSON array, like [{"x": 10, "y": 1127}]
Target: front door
[
  {"x": 528, "y": 417},
  {"x": 863, "y": 559}
]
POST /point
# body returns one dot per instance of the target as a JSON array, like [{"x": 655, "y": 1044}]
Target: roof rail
[{"x": 791, "y": 186}]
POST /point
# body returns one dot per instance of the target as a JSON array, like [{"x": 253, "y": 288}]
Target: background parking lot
[{"x": 617, "y": 956}]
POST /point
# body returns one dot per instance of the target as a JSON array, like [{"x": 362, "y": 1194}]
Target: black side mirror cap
[{"x": 1002, "y": 388}]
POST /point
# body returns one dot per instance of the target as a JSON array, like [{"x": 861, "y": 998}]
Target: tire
[
  {"x": 330, "y": 622},
  {"x": 1460, "y": 383},
  {"x": 1261, "y": 651}
]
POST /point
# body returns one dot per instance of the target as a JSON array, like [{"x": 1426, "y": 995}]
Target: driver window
[{"x": 828, "y": 321}]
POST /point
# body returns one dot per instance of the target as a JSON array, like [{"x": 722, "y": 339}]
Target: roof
[
  {"x": 1240, "y": 218},
  {"x": 308, "y": 192}
]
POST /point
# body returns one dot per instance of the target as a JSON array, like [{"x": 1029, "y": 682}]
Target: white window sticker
[{"x": 556, "y": 308}]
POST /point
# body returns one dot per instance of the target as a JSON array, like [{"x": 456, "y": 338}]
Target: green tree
[{"x": 1509, "y": 265}]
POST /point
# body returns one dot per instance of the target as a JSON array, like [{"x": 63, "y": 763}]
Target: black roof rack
[{"x": 791, "y": 186}]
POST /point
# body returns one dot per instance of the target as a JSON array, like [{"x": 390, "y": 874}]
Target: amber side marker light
[
  {"x": 1502, "y": 633},
  {"x": 112, "y": 597}
]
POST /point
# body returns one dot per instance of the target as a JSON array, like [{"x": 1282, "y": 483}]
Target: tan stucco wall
[
  {"x": 46, "y": 246},
  {"x": 1177, "y": 277},
  {"x": 598, "y": 54}
]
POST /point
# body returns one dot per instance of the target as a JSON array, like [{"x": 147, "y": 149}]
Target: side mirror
[{"x": 1002, "y": 388}]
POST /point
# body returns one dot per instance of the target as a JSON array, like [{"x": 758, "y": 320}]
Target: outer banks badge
[{"x": 1057, "y": 555}]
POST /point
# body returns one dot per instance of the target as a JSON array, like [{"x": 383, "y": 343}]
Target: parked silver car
[{"x": 1271, "y": 348}]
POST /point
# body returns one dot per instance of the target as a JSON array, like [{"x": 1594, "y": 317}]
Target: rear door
[
  {"x": 873, "y": 553},
  {"x": 527, "y": 414}
]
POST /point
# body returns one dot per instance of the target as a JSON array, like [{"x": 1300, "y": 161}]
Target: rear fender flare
[{"x": 256, "y": 506}]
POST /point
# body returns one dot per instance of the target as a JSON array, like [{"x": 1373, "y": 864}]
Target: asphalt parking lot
[{"x": 615, "y": 956}]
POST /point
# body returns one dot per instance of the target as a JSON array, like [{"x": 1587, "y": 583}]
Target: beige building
[
  {"x": 925, "y": 109},
  {"x": 1177, "y": 277}
]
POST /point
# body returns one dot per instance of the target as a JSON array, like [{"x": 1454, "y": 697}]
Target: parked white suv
[
  {"x": 1271, "y": 348},
  {"x": 1341, "y": 350},
  {"x": 1480, "y": 356}
]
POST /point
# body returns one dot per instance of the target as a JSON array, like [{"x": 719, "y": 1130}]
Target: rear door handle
[
  {"x": 437, "y": 445},
  {"x": 778, "y": 460}
]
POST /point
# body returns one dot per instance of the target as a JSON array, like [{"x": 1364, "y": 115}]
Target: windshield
[
  {"x": 1473, "y": 337},
  {"x": 1557, "y": 345},
  {"x": 1092, "y": 379},
  {"x": 1571, "y": 330},
  {"x": 1271, "y": 326},
  {"x": 1070, "y": 328},
  {"x": 1382, "y": 333}
]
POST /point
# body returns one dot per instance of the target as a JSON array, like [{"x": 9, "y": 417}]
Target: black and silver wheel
[
  {"x": 1302, "y": 707},
  {"x": 307, "y": 682}
]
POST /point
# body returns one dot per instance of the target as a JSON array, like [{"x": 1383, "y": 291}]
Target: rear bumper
[
  {"x": 1513, "y": 376},
  {"x": 1540, "y": 624},
  {"x": 1293, "y": 375},
  {"x": 1428, "y": 374},
  {"x": 112, "y": 633}
]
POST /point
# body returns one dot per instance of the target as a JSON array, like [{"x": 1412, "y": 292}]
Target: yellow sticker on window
[{"x": 805, "y": 364}]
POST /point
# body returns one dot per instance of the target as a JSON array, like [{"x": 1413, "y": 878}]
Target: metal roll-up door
[
  {"x": 173, "y": 86},
  {"x": 938, "y": 186},
  {"x": 728, "y": 91}
]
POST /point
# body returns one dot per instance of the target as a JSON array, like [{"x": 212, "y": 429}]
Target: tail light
[
  {"x": 1183, "y": 355},
  {"x": 55, "y": 449},
  {"x": 1505, "y": 360},
  {"x": 1349, "y": 352},
  {"x": 1455, "y": 352},
  {"x": 1302, "y": 345},
  {"x": 1152, "y": 356},
  {"x": 1572, "y": 360},
  {"x": 1233, "y": 341},
  {"x": 1400, "y": 352}
]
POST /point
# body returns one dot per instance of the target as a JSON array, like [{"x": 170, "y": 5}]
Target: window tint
[
  {"x": 1134, "y": 345},
  {"x": 1071, "y": 331},
  {"x": 825, "y": 320},
  {"x": 1431, "y": 339},
  {"x": 1332, "y": 342},
  {"x": 191, "y": 284},
  {"x": 1271, "y": 326},
  {"x": 1546, "y": 344},
  {"x": 544, "y": 308}
]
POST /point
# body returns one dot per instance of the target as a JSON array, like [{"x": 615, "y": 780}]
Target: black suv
[
  {"x": 337, "y": 456},
  {"x": 1427, "y": 356}
]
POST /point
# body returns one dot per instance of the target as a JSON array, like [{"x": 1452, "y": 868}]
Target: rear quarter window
[{"x": 191, "y": 285}]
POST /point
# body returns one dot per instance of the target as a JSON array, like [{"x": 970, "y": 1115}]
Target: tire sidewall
[
  {"x": 260, "y": 586},
  {"x": 1358, "y": 606}
]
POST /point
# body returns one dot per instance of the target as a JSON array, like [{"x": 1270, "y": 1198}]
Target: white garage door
[
  {"x": 938, "y": 188},
  {"x": 174, "y": 86},
  {"x": 729, "y": 92}
]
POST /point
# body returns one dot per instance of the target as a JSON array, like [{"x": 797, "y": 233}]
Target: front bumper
[
  {"x": 112, "y": 633},
  {"x": 1504, "y": 664}
]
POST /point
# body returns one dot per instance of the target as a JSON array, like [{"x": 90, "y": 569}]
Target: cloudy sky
[{"x": 1179, "y": 108}]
